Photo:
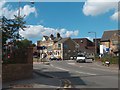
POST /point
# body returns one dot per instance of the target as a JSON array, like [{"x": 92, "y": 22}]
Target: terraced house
[{"x": 63, "y": 48}]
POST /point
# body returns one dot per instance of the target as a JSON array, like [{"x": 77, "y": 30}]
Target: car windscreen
[{"x": 81, "y": 56}]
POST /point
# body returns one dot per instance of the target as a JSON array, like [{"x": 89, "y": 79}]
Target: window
[
  {"x": 115, "y": 42},
  {"x": 58, "y": 53},
  {"x": 59, "y": 45}
]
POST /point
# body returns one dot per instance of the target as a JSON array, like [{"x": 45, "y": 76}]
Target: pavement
[{"x": 39, "y": 80}]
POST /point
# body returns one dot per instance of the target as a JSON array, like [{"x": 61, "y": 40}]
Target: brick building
[
  {"x": 85, "y": 46},
  {"x": 59, "y": 47},
  {"x": 110, "y": 41}
]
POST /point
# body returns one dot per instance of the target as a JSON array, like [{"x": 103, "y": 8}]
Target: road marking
[
  {"x": 86, "y": 73},
  {"x": 36, "y": 68},
  {"x": 95, "y": 68},
  {"x": 59, "y": 68},
  {"x": 75, "y": 71},
  {"x": 104, "y": 70},
  {"x": 71, "y": 63}
]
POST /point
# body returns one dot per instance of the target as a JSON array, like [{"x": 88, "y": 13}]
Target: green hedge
[{"x": 111, "y": 59}]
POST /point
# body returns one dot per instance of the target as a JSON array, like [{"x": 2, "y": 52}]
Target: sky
[{"x": 70, "y": 19}]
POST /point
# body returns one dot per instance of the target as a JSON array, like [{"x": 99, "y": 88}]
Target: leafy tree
[{"x": 10, "y": 28}]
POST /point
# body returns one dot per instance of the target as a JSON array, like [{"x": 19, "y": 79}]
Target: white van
[{"x": 80, "y": 58}]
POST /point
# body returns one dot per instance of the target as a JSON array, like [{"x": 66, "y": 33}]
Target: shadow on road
[{"x": 63, "y": 75}]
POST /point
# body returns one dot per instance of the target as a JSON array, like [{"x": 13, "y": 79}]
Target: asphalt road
[{"x": 80, "y": 75}]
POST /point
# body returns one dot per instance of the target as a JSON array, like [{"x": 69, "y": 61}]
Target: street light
[{"x": 95, "y": 41}]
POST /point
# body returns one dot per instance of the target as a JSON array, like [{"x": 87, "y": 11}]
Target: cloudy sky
[{"x": 70, "y": 19}]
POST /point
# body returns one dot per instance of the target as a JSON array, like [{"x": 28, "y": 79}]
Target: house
[
  {"x": 65, "y": 48},
  {"x": 85, "y": 46},
  {"x": 60, "y": 47},
  {"x": 110, "y": 42},
  {"x": 97, "y": 41}
]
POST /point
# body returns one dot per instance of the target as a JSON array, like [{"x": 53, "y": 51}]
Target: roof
[
  {"x": 46, "y": 37},
  {"x": 78, "y": 39},
  {"x": 56, "y": 39},
  {"x": 63, "y": 40},
  {"x": 108, "y": 34}
]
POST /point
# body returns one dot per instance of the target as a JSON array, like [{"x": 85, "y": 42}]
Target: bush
[{"x": 111, "y": 59}]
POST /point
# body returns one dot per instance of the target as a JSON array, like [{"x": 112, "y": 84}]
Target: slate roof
[
  {"x": 108, "y": 34},
  {"x": 63, "y": 40},
  {"x": 56, "y": 39}
]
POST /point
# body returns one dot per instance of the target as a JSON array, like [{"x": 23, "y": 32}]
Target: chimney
[{"x": 58, "y": 35}]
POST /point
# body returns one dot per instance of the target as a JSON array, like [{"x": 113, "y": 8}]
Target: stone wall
[
  {"x": 12, "y": 72},
  {"x": 18, "y": 71}
]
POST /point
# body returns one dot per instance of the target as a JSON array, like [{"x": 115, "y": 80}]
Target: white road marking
[
  {"x": 75, "y": 71},
  {"x": 59, "y": 68},
  {"x": 71, "y": 63},
  {"x": 86, "y": 73},
  {"x": 36, "y": 68},
  {"x": 104, "y": 69},
  {"x": 95, "y": 68}
]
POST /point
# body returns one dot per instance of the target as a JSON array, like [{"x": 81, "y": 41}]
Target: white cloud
[
  {"x": 72, "y": 33},
  {"x": 97, "y": 7},
  {"x": 115, "y": 16},
  {"x": 37, "y": 31},
  {"x": 9, "y": 12}
]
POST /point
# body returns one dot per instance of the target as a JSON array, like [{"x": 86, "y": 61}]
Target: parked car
[
  {"x": 54, "y": 58},
  {"x": 80, "y": 58},
  {"x": 88, "y": 60}
]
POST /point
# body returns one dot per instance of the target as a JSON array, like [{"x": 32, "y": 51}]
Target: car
[
  {"x": 53, "y": 58},
  {"x": 80, "y": 58},
  {"x": 88, "y": 60}
]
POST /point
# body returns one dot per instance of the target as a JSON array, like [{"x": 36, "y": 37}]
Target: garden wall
[{"x": 18, "y": 71}]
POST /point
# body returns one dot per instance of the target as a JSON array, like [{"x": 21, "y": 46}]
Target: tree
[{"x": 10, "y": 28}]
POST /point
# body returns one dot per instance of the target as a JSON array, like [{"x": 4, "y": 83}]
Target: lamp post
[{"x": 95, "y": 41}]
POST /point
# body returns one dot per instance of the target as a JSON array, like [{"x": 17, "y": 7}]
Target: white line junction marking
[{"x": 75, "y": 71}]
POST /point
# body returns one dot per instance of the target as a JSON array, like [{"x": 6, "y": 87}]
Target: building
[
  {"x": 110, "y": 42},
  {"x": 60, "y": 47},
  {"x": 85, "y": 46},
  {"x": 97, "y": 41},
  {"x": 65, "y": 48}
]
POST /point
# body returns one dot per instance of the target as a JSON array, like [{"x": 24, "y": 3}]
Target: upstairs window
[
  {"x": 114, "y": 42},
  {"x": 59, "y": 45}
]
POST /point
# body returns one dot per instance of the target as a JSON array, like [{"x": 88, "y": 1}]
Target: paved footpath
[{"x": 36, "y": 82}]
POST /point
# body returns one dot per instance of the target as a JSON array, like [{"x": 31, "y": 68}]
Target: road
[{"x": 80, "y": 75}]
